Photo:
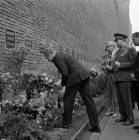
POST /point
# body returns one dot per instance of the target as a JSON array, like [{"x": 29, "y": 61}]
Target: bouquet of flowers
[
  {"x": 13, "y": 104},
  {"x": 6, "y": 84},
  {"x": 93, "y": 72}
]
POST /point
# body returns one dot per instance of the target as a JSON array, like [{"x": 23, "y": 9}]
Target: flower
[
  {"x": 5, "y": 74},
  {"x": 52, "y": 90},
  {"x": 38, "y": 121},
  {"x": 50, "y": 81},
  {"x": 43, "y": 94}
]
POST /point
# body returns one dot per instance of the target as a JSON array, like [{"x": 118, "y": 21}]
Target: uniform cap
[{"x": 120, "y": 36}]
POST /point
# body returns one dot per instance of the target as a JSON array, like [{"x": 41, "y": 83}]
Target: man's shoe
[
  {"x": 128, "y": 122},
  {"x": 108, "y": 114},
  {"x": 95, "y": 129},
  {"x": 115, "y": 115},
  {"x": 121, "y": 119},
  {"x": 136, "y": 127},
  {"x": 65, "y": 126}
]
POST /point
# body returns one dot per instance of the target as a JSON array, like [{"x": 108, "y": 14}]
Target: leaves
[
  {"x": 19, "y": 54},
  {"x": 33, "y": 116}
]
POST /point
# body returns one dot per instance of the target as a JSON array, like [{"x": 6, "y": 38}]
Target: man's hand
[
  {"x": 63, "y": 90},
  {"x": 58, "y": 83},
  {"x": 117, "y": 64},
  {"x": 108, "y": 67},
  {"x": 133, "y": 75}
]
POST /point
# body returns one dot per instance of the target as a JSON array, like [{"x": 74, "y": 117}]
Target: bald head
[
  {"x": 110, "y": 46},
  {"x": 48, "y": 52}
]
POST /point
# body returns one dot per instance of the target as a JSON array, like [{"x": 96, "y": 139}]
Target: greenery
[
  {"x": 19, "y": 55},
  {"x": 39, "y": 109},
  {"x": 35, "y": 102}
]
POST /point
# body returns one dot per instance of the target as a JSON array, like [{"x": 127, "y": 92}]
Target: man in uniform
[
  {"x": 124, "y": 62},
  {"x": 75, "y": 78}
]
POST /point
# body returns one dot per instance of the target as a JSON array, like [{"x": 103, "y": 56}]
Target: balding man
[{"x": 75, "y": 78}]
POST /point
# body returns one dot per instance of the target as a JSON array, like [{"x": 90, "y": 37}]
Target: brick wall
[{"x": 78, "y": 27}]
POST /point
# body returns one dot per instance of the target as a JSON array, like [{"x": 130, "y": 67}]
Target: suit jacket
[
  {"x": 136, "y": 68},
  {"x": 71, "y": 70},
  {"x": 126, "y": 57}
]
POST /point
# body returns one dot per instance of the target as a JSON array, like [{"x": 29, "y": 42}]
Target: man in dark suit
[
  {"x": 75, "y": 78},
  {"x": 124, "y": 62},
  {"x": 135, "y": 75}
]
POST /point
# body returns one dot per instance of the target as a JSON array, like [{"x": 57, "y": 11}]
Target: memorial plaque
[
  {"x": 10, "y": 39},
  {"x": 28, "y": 41}
]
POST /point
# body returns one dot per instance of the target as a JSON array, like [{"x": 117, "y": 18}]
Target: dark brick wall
[{"x": 78, "y": 27}]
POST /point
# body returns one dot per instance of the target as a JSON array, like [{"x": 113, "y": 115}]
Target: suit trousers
[
  {"x": 135, "y": 93},
  {"x": 125, "y": 99},
  {"x": 69, "y": 97},
  {"x": 110, "y": 90}
]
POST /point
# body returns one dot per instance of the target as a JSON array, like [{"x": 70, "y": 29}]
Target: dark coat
[
  {"x": 136, "y": 70},
  {"x": 71, "y": 70},
  {"x": 126, "y": 57}
]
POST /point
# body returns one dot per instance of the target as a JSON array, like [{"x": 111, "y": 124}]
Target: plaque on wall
[
  {"x": 28, "y": 41},
  {"x": 10, "y": 39}
]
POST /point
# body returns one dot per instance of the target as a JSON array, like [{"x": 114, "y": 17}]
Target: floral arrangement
[
  {"x": 105, "y": 60},
  {"x": 38, "y": 109},
  {"x": 6, "y": 84},
  {"x": 13, "y": 125},
  {"x": 93, "y": 72},
  {"x": 13, "y": 104}
]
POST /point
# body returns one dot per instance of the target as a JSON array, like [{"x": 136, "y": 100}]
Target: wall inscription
[{"x": 10, "y": 39}]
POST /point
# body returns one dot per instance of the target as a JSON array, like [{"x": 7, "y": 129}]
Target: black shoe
[
  {"x": 65, "y": 126},
  {"x": 136, "y": 127},
  {"x": 128, "y": 122},
  {"x": 95, "y": 129},
  {"x": 121, "y": 119}
]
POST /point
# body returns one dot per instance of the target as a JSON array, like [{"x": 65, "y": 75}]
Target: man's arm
[
  {"x": 62, "y": 68},
  {"x": 136, "y": 72},
  {"x": 132, "y": 58}
]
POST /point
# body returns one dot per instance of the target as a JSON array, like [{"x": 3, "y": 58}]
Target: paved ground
[
  {"x": 116, "y": 131},
  {"x": 112, "y": 130},
  {"x": 79, "y": 120}
]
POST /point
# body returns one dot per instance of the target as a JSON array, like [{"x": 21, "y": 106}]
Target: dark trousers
[
  {"x": 135, "y": 93},
  {"x": 125, "y": 100},
  {"x": 110, "y": 90},
  {"x": 85, "y": 92}
]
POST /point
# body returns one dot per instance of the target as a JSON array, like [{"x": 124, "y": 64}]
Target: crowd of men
[{"x": 120, "y": 76}]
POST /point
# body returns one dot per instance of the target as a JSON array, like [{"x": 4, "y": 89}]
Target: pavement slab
[{"x": 117, "y": 131}]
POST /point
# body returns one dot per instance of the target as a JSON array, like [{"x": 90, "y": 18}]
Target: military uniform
[{"x": 126, "y": 58}]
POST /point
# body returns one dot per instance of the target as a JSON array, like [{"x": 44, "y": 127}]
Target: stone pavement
[{"x": 116, "y": 131}]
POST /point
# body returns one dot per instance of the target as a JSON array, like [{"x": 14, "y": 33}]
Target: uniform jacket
[
  {"x": 126, "y": 57},
  {"x": 71, "y": 70}
]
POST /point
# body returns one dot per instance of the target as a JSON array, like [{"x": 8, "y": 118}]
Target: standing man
[
  {"x": 124, "y": 62},
  {"x": 75, "y": 78},
  {"x": 110, "y": 89},
  {"x": 135, "y": 75}
]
